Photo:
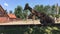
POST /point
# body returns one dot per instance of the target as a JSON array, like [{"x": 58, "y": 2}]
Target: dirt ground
[{"x": 23, "y": 22}]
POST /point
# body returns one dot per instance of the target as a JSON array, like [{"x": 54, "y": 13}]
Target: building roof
[
  {"x": 11, "y": 15},
  {"x": 3, "y": 12}
]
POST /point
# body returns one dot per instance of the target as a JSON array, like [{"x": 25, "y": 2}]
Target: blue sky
[{"x": 12, "y": 4}]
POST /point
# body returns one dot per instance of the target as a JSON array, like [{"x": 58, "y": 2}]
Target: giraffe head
[{"x": 27, "y": 7}]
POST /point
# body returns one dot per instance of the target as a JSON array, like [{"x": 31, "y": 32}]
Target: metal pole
[{"x": 57, "y": 11}]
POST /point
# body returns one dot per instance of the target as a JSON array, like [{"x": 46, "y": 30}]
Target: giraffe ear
[{"x": 27, "y": 5}]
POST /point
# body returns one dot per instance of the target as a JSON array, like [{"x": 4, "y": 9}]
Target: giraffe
[{"x": 44, "y": 18}]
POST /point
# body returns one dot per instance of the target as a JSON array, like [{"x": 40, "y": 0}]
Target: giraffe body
[{"x": 44, "y": 18}]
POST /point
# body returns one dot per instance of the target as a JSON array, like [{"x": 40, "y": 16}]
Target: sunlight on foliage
[{"x": 55, "y": 28}]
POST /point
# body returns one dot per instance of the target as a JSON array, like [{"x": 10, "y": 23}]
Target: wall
[{"x": 4, "y": 19}]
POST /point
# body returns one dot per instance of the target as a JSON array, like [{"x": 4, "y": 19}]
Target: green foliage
[
  {"x": 10, "y": 11},
  {"x": 57, "y": 16},
  {"x": 25, "y": 12},
  {"x": 50, "y": 10},
  {"x": 59, "y": 9},
  {"x": 30, "y": 30},
  {"x": 38, "y": 8},
  {"x": 18, "y": 12}
]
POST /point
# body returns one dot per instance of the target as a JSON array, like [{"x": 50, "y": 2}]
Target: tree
[
  {"x": 49, "y": 10},
  {"x": 53, "y": 10},
  {"x": 10, "y": 11},
  {"x": 18, "y": 12},
  {"x": 59, "y": 9},
  {"x": 25, "y": 14},
  {"x": 38, "y": 8}
]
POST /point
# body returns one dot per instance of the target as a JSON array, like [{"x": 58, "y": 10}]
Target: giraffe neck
[
  {"x": 30, "y": 9},
  {"x": 34, "y": 12}
]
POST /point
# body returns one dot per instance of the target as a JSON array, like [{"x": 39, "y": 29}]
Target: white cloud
[{"x": 5, "y": 4}]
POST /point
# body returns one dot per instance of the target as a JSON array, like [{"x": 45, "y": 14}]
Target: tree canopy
[
  {"x": 50, "y": 10},
  {"x": 18, "y": 12}
]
